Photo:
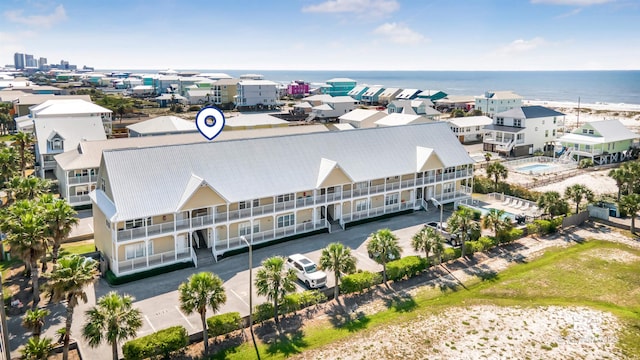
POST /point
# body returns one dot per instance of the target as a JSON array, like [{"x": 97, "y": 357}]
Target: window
[
  {"x": 56, "y": 144},
  {"x": 284, "y": 198},
  {"x": 244, "y": 205},
  {"x": 136, "y": 223},
  {"x": 106, "y": 222},
  {"x": 449, "y": 170},
  {"x": 362, "y": 205},
  {"x": 590, "y": 132},
  {"x": 82, "y": 190},
  {"x": 517, "y": 122},
  {"x": 477, "y": 128},
  {"x": 286, "y": 220},
  {"x": 546, "y": 133},
  {"x": 584, "y": 131},
  {"x": 553, "y": 132},
  {"x": 245, "y": 228},
  {"x": 499, "y": 121},
  {"x": 448, "y": 187},
  {"x": 391, "y": 199},
  {"x": 103, "y": 185},
  {"x": 554, "y": 120},
  {"x": 256, "y": 202},
  {"x": 587, "y": 147},
  {"x": 137, "y": 250}
]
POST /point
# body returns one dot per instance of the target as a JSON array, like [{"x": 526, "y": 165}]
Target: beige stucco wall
[
  {"x": 335, "y": 177},
  {"x": 377, "y": 201},
  {"x": 304, "y": 215},
  {"x": 202, "y": 198},
  {"x": 163, "y": 244},
  {"x": 101, "y": 234},
  {"x": 432, "y": 163}
]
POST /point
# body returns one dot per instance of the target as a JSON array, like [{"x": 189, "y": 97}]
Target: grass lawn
[
  {"x": 5, "y": 137},
  {"x": 597, "y": 274},
  {"x": 77, "y": 248}
]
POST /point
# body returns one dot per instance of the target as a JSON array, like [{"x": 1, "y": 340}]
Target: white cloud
[
  {"x": 45, "y": 21},
  {"x": 399, "y": 33},
  {"x": 573, "y": 12},
  {"x": 521, "y": 46},
  {"x": 368, "y": 7},
  {"x": 571, "y": 2}
]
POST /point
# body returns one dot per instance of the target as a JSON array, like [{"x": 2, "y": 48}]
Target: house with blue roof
[
  {"x": 522, "y": 130},
  {"x": 338, "y": 86},
  {"x": 372, "y": 95}
]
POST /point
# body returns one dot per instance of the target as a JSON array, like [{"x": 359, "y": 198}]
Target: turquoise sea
[{"x": 590, "y": 86}]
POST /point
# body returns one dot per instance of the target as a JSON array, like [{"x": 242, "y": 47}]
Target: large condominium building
[
  {"x": 253, "y": 93},
  {"x": 493, "y": 102},
  {"x": 161, "y": 205}
]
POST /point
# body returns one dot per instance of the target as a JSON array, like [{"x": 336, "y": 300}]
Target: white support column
[
  {"x": 146, "y": 250},
  {"x": 175, "y": 247}
]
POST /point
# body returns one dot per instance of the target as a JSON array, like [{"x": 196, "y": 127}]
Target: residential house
[
  {"x": 453, "y": 102},
  {"x": 56, "y": 135},
  {"x": 256, "y": 94},
  {"x": 408, "y": 94},
  {"x": 431, "y": 95},
  {"x": 224, "y": 92},
  {"x": 469, "y": 128},
  {"x": 357, "y": 92},
  {"x": 338, "y": 86},
  {"x": 414, "y": 107},
  {"x": 77, "y": 169},
  {"x": 298, "y": 88},
  {"x": 493, "y": 102},
  {"x": 362, "y": 118},
  {"x": 372, "y": 95},
  {"x": 397, "y": 119},
  {"x": 388, "y": 95},
  {"x": 167, "y": 84},
  {"x": 523, "y": 130},
  {"x": 162, "y": 125},
  {"x": 253, "y": 121},
  {"x": 199, "y": 95},
  {"x": 604, "y": 142},
  {"x": 166, "y": 100},
  {"x": 23, "y": 102},
  {"x": 302, "y": 108},
  {"x": 72, "y": 108},
  {"x": 202, "y": 208},
  {"x": 317, "y": 99},
  {"x": 334, "y": 107}
]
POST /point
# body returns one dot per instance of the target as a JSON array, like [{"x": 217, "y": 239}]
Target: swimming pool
[
  {"x": 535, "y": 168},
  {"x": 485, "y": 211}
]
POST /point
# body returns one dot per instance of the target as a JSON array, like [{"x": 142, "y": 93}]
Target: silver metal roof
[{"x": 150, "y": 181}]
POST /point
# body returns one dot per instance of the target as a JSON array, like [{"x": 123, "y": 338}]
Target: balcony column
[
  {"x": 146, "y": 250},
  {"x": 175, "y": 247}
]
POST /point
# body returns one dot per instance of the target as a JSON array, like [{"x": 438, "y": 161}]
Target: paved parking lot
[{"x": 157, "y": 297}]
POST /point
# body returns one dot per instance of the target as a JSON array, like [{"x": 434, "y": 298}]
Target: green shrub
[
  {"x": 263, "y": 312},
  {"x": 533, "y": 228},
  {"x": 112, "y": 279},
  {"x": 297, "y": 301},
  {"x": 515, "y": 234},
  {"x": 161, "y": 343},
  {"x": 359, "y": 282},
  {"x": 508, "y": 236},
  {"x": 487, "y": 242},
  {"x": 223, "y": 323},
  {"x": 546, "y": 226},
  {"x": 406, "y": 267},
  {"x": 471, "y": 247},
  {"x": 585, "y": 163},
  {"x": 195, "y": 108},
  {"x": 450, "y": 254}
]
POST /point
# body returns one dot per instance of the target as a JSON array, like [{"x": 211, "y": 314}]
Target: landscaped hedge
[
  {"x": 161, "y": 343},
  {"x": 223, "y": 324},
  {"x": 487, "y": 242},
  {"x": 112, "y": 279},
  {"x": 472, "y": 246},
  {"x": 263, "y": 312},
  {"x": 450, "y": 254},
  {"x": 505, "y": 237},
  {"x": 358, "y": 282},
  {"x": 296, "y": 301},
  {"x": 406, "y": 267},
  {"x": 483, "y": 185}
]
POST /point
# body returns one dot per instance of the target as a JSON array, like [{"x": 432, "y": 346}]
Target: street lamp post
[
  {"x": 253, "y": 338},
  {"x": 438, "y": 203}
]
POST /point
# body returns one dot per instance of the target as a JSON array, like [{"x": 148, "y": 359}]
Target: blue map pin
[{"x": 210, "y": 121}]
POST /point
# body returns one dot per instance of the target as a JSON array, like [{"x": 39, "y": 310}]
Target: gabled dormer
[
  {"x": 587, "y": 130},
  {"x": 331, "y": 174},
  {"x": 55, "y": 142}
]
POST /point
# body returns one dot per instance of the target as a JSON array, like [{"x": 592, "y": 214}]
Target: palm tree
[
  {"x": 113, "y": 320},
  {"x": 26, "y": 237},
  {"x": 8, "y": 164},
  {"x": 60, "y": 218},
  {"x": 631, "y": 204},
  {"x": 497, "y": 171},
  {"x": 11, "y": 187},
  {"x": 338, "y": 258},
  {"x": 552, "y": 203},
  {"x": 495, "y": 220},
  {"x": 67, "y": 282},
  {"x": 37, "y": 349},
  {"x": 200, "y": 291},
  {"x": 32, "y": 188},
  {"x": 384, "y": 247},
  {"x": 274, "y": 281},
  {"x": 462, "y": 224},
  {"x": 620, "y": 175},
  {"x": 33, "y": 320},
  {"x": 23, "y": 141},
  {"x": 424, "y": 240},
  {"x": 577, "y": 192},
  {"x": 438, "y": 247}
]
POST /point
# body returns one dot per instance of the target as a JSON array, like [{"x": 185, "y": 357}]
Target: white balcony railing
[
  {"x": 79, "y": 199},
  {"x": 73, "y": 180},
  {"x": 151, "y": 261}
]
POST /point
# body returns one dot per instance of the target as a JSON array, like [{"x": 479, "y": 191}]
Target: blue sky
[{"x": 326, "y": 34}]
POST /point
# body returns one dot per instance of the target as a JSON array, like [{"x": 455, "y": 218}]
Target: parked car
[
  {"x": 307, "y": 271},
  {"x": 450, "y": 238}
]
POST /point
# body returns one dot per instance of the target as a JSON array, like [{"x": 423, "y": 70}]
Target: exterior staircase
[{"x": 205, "y": 257}]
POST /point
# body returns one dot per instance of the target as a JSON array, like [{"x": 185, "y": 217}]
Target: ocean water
[{"x": 590, "y": 86}]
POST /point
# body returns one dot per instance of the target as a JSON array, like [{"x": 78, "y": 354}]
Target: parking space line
[
  {"x": 238, "y": 296},
  {"x": 150, "y": 324},
  {"x": 185, "y": 318}
]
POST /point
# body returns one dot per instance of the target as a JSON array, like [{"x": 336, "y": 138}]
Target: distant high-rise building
[
  {"x": 18, "y": 61},
  {"x": 64, "y": 64},
  {"x": 42, "y": 63},
  {"x": 30, "y": 61}
]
